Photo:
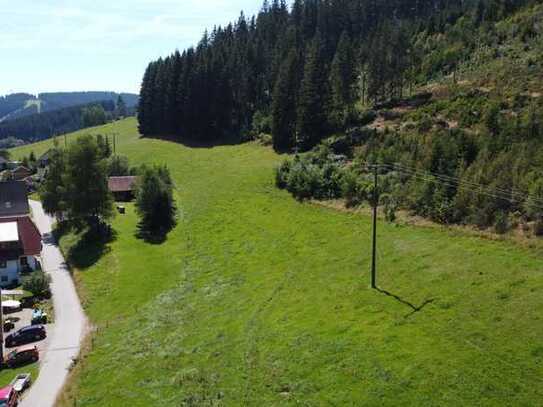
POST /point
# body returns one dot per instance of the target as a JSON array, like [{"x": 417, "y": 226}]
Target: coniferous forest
[
  {"x": 323, "y": 70},
  {"x": 299, "y": 70}
]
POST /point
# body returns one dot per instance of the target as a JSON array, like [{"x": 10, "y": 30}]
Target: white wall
[{"x": 11, "y": 272}]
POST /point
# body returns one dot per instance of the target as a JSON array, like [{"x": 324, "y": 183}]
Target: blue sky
[{"x": 56, "y": 45}]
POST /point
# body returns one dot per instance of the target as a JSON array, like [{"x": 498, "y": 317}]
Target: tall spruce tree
[
  {"x": 284, "y": 104},
  {"x": 312, "y": 122},
  {"x": 342, "y": 77}
]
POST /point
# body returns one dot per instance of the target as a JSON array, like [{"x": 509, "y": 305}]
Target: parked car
[
  {"x": 21, "y": 382},
  {"x": 25, "y": 335},
  {"x": 38, "y": 317},
  {"x": 20, "y": 357},
  {"x": 9, "y": 324},
  {"x": 8, "y": 397}
]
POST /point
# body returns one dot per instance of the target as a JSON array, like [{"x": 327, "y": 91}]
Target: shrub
[
  {"x": 538, "y": 227},
  {"x": 38, "y": 284},
  {"x": 501, "y": 223},
  {"x": 281, "y": 174},
  {"x": 261, "y": 123},
  {"x": 354, "y": 190},
  {"x": 390, "y": 207},
  {"x": 366, "y": 117},
  {"x": 304, "y": 180}
]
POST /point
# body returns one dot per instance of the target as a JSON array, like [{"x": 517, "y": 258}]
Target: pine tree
[
  {"x": 342, "y": 77},
  {"x": 121, "y": 107},
  {"x": 312, "y": 123},
  {"x": 145, "y": 108},
  {"x": 284, "y": 104}
]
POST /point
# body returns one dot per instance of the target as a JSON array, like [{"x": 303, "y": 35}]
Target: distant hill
[
  {"x": 19, "y": 105},
  {"x": 40, "y": 126},
  {"x": 26, "y": 118}
]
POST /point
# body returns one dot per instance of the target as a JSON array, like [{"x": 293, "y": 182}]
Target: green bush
[
  {"x": 538, "y": 227},
  {"x": 38, "y": 284},
  {"x": 354, "y": 190},
  {"x": 304, "y": 180},
  {"x": 261, "y": 123},
  {"x": 281, "y": 174},
  {"x": 366, "y": 117},
  {"x": 501, "y": 223},
  {"x": 316, "y": 175}
]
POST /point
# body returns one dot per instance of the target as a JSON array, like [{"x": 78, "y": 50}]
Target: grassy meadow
[{"x": 257, "y": 299}]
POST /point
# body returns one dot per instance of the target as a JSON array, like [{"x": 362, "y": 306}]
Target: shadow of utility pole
[{"x": 413, "y": 307}]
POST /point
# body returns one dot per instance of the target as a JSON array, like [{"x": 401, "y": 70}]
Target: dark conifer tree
[
  {"x": 342, "y": 77},
  {"x": 284, "y": 104},
  {"x": 312, "y": 123}
]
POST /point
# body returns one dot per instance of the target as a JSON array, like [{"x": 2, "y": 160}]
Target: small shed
[
  {"x": 20, "y": 173},
  {"x": 123, "y": 188}
]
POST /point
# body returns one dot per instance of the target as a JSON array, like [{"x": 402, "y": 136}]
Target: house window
[
  {"x": 3, "y": 264},
  {"x": 4, "y": 279},
  {"x": 24, "y": 261}
]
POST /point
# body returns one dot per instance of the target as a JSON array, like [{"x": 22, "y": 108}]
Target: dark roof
[
  {"x": 21, "y": 168},
  {"x": 29, "y": 238},
  {"x": 122, "y": 184},
  {"x": 13, "y": 198}
]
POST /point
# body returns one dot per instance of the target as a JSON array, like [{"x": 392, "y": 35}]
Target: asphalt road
[{"x": 70, "y": 321}]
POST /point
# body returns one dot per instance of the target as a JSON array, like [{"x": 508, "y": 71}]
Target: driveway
[{"x": 70, "y": 321}]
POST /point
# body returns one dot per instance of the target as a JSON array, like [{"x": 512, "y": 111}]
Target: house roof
[
  {"x": 122, "y": 184},
  {"x": 21, "y": 168},
  {"x": 13, "y": 198},
  {"x": 9, "y": 232},
  {"x": 29, "y": 238}
]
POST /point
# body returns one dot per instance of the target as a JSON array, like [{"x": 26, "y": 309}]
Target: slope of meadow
[{"x": 257, "y": 299}]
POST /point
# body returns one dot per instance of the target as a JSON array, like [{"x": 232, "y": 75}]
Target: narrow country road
[{"x": 69, "y": 325}]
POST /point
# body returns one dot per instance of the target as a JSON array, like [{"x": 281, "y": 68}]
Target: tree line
[
  {"x": 48, "y": 124},
  {"x": 299, "y": 72}
]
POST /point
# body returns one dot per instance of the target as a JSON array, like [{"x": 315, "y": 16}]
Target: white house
[{"x": 20, "y": 248}]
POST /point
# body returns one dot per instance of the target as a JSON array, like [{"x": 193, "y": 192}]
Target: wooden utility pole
[{"x": 374, "y": 232}]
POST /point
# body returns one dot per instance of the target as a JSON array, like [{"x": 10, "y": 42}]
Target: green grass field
[{"x": 256, "y": 299}]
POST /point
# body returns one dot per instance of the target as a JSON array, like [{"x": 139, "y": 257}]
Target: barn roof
[{"x": 122, "y": 184}]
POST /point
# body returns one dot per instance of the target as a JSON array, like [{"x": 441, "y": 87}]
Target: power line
[
  {"x": 478, "y": 188},
  {"x": 510, "y": 196},
  {"x": 461, "y": 181}
]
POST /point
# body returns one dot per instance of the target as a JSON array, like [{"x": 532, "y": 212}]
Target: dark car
[
  {"x": 23, "y": 356},
  {"x": 25, "y": 335},
  {"x": 9, "y": 324}
]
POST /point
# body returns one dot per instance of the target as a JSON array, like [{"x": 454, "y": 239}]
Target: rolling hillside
[
  {"x": 22, "y": 104},
  {"x": 257, "y": 299}
]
